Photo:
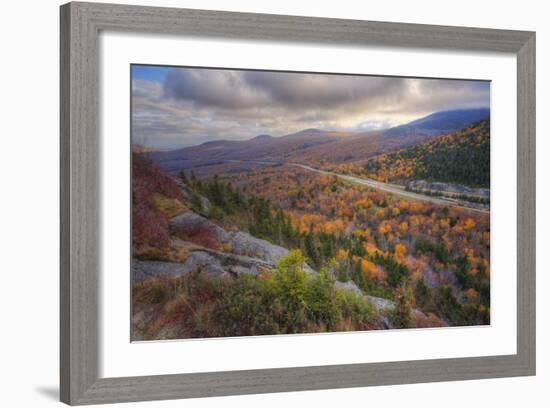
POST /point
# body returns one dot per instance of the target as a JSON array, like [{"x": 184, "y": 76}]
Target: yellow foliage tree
[
  {"x": 342, "y": 254},
  {"x": 469, "y": 224},
  {"x": 400, "y": 251}
]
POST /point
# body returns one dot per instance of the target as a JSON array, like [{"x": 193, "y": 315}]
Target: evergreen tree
[
  {"x": 183, "y": 177},
  {"x": 196, "y": 202},
  {"x": 288, "y": 231},
  {"x": 400, "y": 316},
  {"x": 422, "y": 294},
  {"x": 310, "y": 248}
]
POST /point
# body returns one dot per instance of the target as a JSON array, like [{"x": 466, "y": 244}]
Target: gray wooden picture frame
[{"x": 81, "y": 24}]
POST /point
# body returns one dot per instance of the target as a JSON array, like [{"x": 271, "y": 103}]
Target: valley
[
  {"x": 225, "y": 232},
  {"x": 422, "y": 194}
]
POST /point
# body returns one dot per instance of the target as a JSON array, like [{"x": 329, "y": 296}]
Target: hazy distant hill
[
  {"x": 441, "y": 122},
  {"x": 370, "y": 144},
  {"x": 320, "y": 147},
  {"x": 263, "y": 147}
]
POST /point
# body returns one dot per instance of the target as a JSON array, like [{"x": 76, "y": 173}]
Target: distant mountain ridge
[
  {"x": 442, "y": 122},
  {"x": 319, "y": 147}
]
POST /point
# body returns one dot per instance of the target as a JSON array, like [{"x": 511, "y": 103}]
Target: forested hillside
[
  {"x": 460, "y": 157},
  {"x": 437, "y": 258},
  {"x": 231, "y": 255}
]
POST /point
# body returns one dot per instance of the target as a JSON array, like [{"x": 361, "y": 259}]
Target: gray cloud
[
  {"x": 323, "y": 91},
  {"x": 192, "y": 106},
  {"x": 215, "y": 88}
]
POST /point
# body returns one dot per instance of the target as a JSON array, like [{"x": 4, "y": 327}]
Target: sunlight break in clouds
[{"x": 176, "y": 107}]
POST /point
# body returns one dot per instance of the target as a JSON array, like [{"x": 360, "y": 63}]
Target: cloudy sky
[{"x": 176, "y": 107}]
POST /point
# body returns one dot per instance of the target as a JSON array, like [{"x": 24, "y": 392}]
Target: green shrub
[
  {"x": 448, "y": 305},
  {"x": 290, "y": 301},
  {"x": 321, "y": 300},
  {"x": 216, "y": 213},
  {"x": 353, "y": 306},
  {"x": 245, "y": 306}
]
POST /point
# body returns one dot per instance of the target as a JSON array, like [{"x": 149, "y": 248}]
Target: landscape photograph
[{"x": 276, "y": 203}]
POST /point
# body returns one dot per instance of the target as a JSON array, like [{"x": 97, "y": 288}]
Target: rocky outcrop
[
  {"x": 194, "y": 227},
  {"x": 210, "y": 249},
  {"x": 200, "y": 230},
  {"x": 382, "y": 306},
  {"x": 217, "y": 264},
  {"x": 243, "y": 243},
  {"x": 349, "y": 285},
  {"x": 188, "y": 194},
  {"x": 143, "y": 270}
]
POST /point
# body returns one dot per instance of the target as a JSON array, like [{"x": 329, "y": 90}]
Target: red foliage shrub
[
  {"x": 149, "y": 225},
  {"x": 200, "y": 236},
  {"x": 148, "y": 178},
  {"x": 421, "y": 320}
]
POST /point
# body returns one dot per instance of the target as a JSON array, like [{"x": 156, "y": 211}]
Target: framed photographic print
[{"x": 261, "y": 203}]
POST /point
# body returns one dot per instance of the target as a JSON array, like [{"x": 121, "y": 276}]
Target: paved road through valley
[{"x": 378, "y": 185}]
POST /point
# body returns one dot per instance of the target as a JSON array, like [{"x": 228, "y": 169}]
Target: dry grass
[
  {"x": 176, "y": 252},
  {"x": 169, "y": 206}
]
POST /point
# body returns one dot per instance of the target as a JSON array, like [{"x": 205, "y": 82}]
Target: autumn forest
[{"x": 328, "y": 228}]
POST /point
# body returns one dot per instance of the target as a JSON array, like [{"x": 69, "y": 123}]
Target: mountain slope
[
  {"x": 260, "y": 147},
  {"x": 459, "y": 157},
  {"x": 365, "y": 145},
  {"x": 318, "y": 147},
  {"x": 441, "y": 122}
]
